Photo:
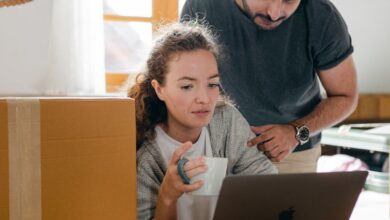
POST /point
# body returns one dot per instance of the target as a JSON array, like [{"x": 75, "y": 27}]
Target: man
[{"x": 276, "y": 52}]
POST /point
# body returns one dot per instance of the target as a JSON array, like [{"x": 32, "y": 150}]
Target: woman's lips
[{"x": 201, "y": 113}]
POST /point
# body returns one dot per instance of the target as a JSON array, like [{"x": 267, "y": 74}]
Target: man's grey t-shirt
[{"x": 271, "y": 75}]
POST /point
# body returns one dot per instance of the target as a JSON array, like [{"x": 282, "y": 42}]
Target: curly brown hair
[{"x": 173, "y": 39}]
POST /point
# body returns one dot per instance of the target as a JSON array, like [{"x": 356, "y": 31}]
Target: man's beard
[
  {"x": 267, "y": 17},
  {"x": 261, "y": 16}
]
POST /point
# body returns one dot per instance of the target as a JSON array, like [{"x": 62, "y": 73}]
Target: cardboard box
[{"x": 67, "y": 158}]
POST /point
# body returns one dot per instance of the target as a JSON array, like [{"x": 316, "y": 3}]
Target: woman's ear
[{"x": 157, "y": 88}]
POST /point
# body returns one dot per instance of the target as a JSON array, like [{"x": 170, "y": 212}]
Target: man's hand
[{"x": 276, "y": 141}]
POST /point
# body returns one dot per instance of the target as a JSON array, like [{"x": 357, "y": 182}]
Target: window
[
  {"x": 128, "y": 30},
  {"x": 181, "y": 4}
]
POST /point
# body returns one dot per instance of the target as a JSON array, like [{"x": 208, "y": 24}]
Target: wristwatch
[{"x": 302, "y": 133}]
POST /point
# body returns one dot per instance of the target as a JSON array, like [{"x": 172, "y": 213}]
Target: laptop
[{"x": 304, "y": 196}]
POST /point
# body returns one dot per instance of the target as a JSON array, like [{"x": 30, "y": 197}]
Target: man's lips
[{"x": 268, "y": 22}]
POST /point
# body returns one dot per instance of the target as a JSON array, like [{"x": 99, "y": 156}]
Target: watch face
[{"x": 303, "y": 133}]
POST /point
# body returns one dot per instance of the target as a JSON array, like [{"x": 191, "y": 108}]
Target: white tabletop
[{"x": 371, "y": 206}]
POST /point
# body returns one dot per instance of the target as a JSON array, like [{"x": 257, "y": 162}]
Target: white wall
[
  {"x": 24, "y": 42},
  {"x": 368, "y": 23}
]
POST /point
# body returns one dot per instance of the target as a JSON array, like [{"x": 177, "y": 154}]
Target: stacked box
[{"x": 67, "y": 158}]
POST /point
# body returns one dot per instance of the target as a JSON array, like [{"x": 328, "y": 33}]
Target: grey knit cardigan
[{"x": 229, "y": 133}]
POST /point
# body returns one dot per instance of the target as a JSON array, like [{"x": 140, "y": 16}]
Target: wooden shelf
[{"x": 371, "y": 108}]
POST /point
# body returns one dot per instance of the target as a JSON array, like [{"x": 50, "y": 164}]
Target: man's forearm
[
  {"x": 340, "y": 85},
  {"x": 329, "y": 112}
]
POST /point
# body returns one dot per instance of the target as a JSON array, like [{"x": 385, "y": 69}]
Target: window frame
[{"x": 163, "y": 11}]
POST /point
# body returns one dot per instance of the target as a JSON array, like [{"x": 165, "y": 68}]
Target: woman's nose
[{"x": 202, "y": 96}]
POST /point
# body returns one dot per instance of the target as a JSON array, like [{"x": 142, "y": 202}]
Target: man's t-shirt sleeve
[{"x": 333, "y": 44}]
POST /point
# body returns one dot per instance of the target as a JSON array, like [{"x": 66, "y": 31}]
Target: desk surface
[{"x": 371, "y": 205}]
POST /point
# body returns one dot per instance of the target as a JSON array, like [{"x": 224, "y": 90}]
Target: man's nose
[{"x": 275, "y": 9}]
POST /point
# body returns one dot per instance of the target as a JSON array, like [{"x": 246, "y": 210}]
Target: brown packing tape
[
  {"x": 24, "y": 159},
  {"x": 4, "y": 207}
]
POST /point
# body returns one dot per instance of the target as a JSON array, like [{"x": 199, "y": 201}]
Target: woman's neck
[{"x": 181, "y": 134}]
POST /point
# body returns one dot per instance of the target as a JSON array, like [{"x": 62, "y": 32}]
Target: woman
[{"x": 179, "y": 112}]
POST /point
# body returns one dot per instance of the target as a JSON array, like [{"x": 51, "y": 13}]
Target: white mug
[{"x": 212, "y": 178}]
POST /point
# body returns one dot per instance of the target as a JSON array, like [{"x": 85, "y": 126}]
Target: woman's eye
[
  {"x": 213, "y": 85},
  {"x": 289, "y": 1},
  {"x": 186, "y": 87}
]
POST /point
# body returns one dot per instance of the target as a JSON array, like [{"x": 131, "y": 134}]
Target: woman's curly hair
[{"x": 172, "y": 39}]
